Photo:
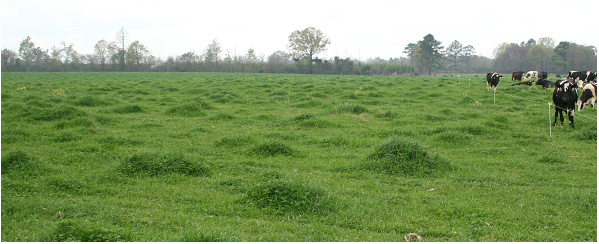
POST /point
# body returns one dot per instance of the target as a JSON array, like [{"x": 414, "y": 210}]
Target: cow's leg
[
  {"x": 555, "y": 120},
  {"x": 571, "y": 117}
]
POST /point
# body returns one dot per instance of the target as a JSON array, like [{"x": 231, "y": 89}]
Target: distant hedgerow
[
  {"x": 154, "y": 164},
  {"x": 398, "y": 156}
]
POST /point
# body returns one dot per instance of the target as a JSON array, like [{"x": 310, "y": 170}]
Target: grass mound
[
  {"x": 289, "y": 196},
  {"x": 190, "y": 109},
  {"x": 19, "y": 161},
  {"x": 398, "y": 156},
  {"x": 154, "y": 164},
  {"x": 273, "y": 149},
  {"x": 354, "y": 109},
  {"x": 127, "y": 109},
  {"x": 79, "y": 231}
]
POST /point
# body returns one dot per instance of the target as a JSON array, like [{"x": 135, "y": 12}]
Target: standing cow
[
  {"x": 493, "y": 81},
  {"x": 588, "y": 96},
  {"x": 564, "y": 99},
  {"x": 517, "y": 75},
  {"x": 580, "y": 77}
]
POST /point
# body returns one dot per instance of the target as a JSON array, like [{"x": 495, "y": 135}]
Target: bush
[
  {"x": 80, "y": 231},
  {"x": 397, "y": 156},
  {"x": 290, "y": 197},
  {"x": 153, "y": 164}
]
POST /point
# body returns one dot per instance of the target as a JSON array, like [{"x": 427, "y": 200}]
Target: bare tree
[
  {"x": 121, "y": 37},
  {"x": 308, "y": 42}
]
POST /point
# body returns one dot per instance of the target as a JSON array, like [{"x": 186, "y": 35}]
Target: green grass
[{"x": 271, "y": 157}]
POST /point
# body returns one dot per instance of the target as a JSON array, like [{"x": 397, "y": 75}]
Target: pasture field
[{"x": 273, "y": 157}]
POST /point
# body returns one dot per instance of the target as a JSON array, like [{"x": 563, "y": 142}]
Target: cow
[
  {"x": 565, "y": 97},
  {"x": 493, "y": 80},
  {"x": 517, "y": 75},
  {"x": 580, "y": 77},
  {"x": 558, "y": 76},
  {"x": 545, "y": 83},
  {"x": 532, "y": 74},
  {"x": 526, "y": 83},
  {"x": 542, "y": 75},
  {"x": 588, "y": 96}
]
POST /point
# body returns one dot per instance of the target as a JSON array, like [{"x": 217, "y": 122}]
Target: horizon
[{"x": 381, "y": 29}]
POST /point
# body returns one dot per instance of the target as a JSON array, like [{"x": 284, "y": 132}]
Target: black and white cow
[
  {"x": 542, "y": 75},
  {"x": 493, "y": 80},
  {"x": 545, "y": 83},
  {"x": 532, "y": 74},
  {"x": 588, "y": 96},
  {"x": 524, "y": 83},
  {"x": 565, "y": 96},
  {"x": 517, "y": 75},
  {"x": 581, "y": 77}
]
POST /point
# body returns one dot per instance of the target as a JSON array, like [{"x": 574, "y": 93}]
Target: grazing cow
[
  {"x": 493, "y": 80},
  {"x": 545, "y": 83},
  {"x": 564, "y": 99},
  {"x": 476, "y": 76},
  {"x": 558, "y": 76},
  {"x": 517, "y": 75},
  {"x": 588, "y": 96},
  {"x": 580, "y": 77},
  {"x": 542, "y": 75},
  {"x": 526, "y": 83},
  {"x": 532, "y": 74}
]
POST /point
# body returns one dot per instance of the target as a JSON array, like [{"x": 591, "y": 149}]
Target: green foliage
[
  {"x": 155, "y": 164},
  {"x": 398, "y": 156}
]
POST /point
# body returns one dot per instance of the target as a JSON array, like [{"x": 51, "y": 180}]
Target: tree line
[{"x": 424, "y": 57}]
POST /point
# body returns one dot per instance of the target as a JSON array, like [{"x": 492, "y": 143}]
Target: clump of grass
[
  {"x": 19, "y": 161},
  {"x": 90, "y": 101},
  {"x": 154, "y": 164},
  {"x": 551, "y": 159},
  {"x": 398, "y": 156},
  {"x": 290, "y": 196},
  {"x": 80, "y": 231},
  {"x": 223, "y": 116},
  {"x": 53, "y": 113},
  {"x": 273, "y": 149},
  {"x": 128, "y": 109},
  {"x": 347, "y": 108},
  {"x": 195, "y": 236},
  {"x": 190, "y": 109},
  {"x": 583, "y": 135},
  {"x": 387, "y": 115},
  {"x": 234, "y": 141}
]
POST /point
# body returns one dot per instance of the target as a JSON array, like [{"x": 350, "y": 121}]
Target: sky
[{"x": 356, "y": 29}]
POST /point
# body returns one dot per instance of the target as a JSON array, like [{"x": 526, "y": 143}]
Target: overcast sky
[{"x": 357, "y": 29}]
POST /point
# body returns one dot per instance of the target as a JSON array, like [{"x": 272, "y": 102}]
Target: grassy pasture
[{"x": 269, "y": 157}]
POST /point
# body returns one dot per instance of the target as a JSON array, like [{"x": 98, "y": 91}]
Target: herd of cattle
[{"x": 565, "y": 94}]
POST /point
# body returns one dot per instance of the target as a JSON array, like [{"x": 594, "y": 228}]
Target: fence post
[{"x": 549, "y": 119}]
